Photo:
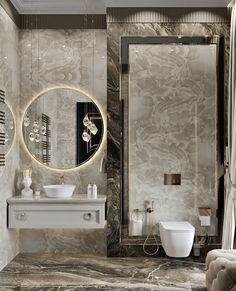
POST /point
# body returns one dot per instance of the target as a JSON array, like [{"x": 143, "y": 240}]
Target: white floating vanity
[{"x": 43, "y": 212}]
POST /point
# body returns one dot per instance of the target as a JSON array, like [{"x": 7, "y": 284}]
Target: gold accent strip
[{"x": 204, "y": 211}]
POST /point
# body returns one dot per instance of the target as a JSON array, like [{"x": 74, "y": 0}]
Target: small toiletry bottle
[
  {"x": 37, "y": 194},
  {"x": 95, "y": 191},
  {"x": 89, "y": 191}
]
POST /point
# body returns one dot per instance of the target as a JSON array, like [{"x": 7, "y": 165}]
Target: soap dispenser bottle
[
  {"x": 95, "y": 191},
  {"x": 89, "y": 191}
]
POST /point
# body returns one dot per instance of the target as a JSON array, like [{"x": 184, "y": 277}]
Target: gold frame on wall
[{"x": 86, "y": 163}]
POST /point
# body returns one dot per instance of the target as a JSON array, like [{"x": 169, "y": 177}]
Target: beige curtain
[{"x": 230, "y": 196}]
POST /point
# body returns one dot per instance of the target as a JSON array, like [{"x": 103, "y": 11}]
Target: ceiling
[{"x": 99, "y": 6}]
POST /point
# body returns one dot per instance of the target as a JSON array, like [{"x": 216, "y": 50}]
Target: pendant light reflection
[
  {"x": 32, "y": 136},
  {"x": 36, "y": 126},
  {"x": 89, "y": 125},
  {"x": 86, "y": 120},
  {"x": 93, "y": 129},
  {"x": 43, "y": 130},
  {"x": 26, "y": 121},
  {"x": 37, "y": 138},
  {"x": 86, "y": 136}
]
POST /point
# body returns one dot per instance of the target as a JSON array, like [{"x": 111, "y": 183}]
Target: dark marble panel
[
  {"x": 88, "y": 288},
  {"x": 28, "y": 272},
  {"x": 114, "y": 33}
]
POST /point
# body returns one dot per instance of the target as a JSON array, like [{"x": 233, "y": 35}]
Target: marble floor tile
[{"x": 54, "y": 272}]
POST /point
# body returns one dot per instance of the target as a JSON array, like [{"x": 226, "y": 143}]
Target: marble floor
[{"x": 57, "y": 272}]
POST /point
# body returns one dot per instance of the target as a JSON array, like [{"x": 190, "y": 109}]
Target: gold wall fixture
[
  {"x": 172, "y": 179},
  {"x": 204, "y": 211}
]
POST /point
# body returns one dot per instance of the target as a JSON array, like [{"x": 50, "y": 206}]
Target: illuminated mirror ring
[{"x": 63, "y": 128}]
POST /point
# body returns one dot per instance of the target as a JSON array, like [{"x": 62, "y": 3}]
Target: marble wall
[
  {"x": 173, "y": 129},
  {"x": 77, "y": 58},
  {"x": 64, "y": 241},
  {"x": 115, "y": 30},
  {"x": 9, "y": 81},
  {"x": 50, "y": 58}
]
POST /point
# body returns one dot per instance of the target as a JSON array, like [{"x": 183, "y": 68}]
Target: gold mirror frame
[{"x": 85, "y": 163}]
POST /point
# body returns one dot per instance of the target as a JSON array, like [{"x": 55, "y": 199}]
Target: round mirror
[
  {"x": 7, "y": 128},
  {"x": 63, "y": 128}
]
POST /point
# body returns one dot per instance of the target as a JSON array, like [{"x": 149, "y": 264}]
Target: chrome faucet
[{"x": 62, "y": 180}]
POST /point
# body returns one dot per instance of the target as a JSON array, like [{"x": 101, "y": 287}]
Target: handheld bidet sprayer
[{"x": 151, "y": 209}]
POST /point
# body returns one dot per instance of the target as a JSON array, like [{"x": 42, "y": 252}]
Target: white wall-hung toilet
[{"x": 177, "y": 238}]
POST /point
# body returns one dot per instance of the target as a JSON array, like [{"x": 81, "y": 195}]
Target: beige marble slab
[
  {"x": 43, "y": 199},
  {"x": 81, "y": 64},
  {"x": 9, "y": 82}
]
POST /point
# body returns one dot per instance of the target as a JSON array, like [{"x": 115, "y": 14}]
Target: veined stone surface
[
  {"x": 50, "y": 58},
  {"x": 72, "y": 272},
  {"x": 63, "y": 241},
  {"x": 173, "y": 129},
  {"x": 115, "y": 31},
  {"x": 9, "y": 82}
]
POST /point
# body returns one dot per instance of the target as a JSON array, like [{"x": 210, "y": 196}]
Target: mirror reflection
[
  {"x": 7, "y": 128},
  {"x": 63, "y": 128}
]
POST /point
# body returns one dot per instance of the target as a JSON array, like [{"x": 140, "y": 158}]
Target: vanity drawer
[{"x": 56, "y": 216}]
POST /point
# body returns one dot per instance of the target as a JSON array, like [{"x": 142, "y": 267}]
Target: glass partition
[{"x": 171, "y": 154}]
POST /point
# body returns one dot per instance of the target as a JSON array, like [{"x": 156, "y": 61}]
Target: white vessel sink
[{"x": 59, "y": 191}]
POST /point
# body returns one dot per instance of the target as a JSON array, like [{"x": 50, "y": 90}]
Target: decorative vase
[{"x": 27, "y": 191}]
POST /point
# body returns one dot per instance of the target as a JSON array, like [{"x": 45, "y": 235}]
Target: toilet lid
[{"x": 177, "y": 225}]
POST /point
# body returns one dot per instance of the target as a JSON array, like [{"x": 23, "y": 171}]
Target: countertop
[{"x": 77, "y": 198}]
